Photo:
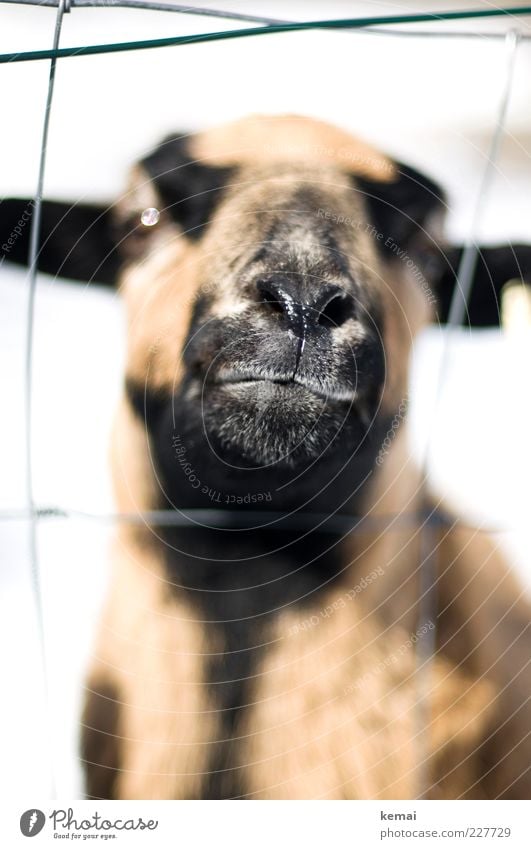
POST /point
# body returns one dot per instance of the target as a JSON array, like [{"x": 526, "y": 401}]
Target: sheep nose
[{"x": 325, "y": 306}]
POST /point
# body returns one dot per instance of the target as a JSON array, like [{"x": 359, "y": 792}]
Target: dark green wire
[{"x": 202, "y": 38}]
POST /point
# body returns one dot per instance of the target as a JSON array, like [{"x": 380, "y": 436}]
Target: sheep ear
[
  {"x": 495, "y": 267},
  {"x": 76, "y": 241},
  {"x": 407, "y": 217},
  {"x": 407, "y": 214},
  {"x": 190, "y": 190},
  {"x": 404, "y": 211}
]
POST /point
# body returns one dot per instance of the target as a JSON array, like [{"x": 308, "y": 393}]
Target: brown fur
[
  {"x": 334, "y": 711},
  {"x": 263, "y": 140}
]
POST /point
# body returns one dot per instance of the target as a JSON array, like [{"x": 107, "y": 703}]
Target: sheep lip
[{"x": 334, "y": 393}]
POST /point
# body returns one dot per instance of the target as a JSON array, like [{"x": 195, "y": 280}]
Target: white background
[{"x": 429, "y": 102}]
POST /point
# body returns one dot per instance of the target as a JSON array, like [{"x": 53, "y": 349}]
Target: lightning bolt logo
[{"x": 32, "y": 822}]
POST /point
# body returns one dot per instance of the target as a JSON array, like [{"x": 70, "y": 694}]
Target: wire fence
[
  {"x": 269, "y": 27},
  {"x": 390, "y": 25}
]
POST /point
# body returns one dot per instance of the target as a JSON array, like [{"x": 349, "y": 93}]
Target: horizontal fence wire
[
  {"x": 266, "y": 29},
  {"x": 199, "y": 11},
  {"x": 219, "y": 519}
]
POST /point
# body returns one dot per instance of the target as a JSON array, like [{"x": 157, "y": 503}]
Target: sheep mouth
[{"x": 327, "y": 391}]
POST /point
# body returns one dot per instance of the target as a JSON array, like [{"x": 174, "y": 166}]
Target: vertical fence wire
[
  {"x": 28, "y": 400},
  {"x": 426, "y": 647}
]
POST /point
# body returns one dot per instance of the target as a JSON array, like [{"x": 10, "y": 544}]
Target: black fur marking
[
  {"x": 335, "y": 481},
  {"x": 189, "y": 189},
  {"x": 495, "y": 267},
  {"x": 239, "y": 580},
  {"x": 76, "y": 241},
  {"x": 238, "y": 603},
  {"x": 147, "y": 404},
  {"x": 100, "y": 745}
]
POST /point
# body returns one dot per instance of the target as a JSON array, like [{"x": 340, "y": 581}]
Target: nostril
[
  {"x": 337, "y": 310},
  {"x": 269, "y": 295}
]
